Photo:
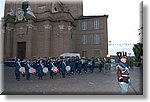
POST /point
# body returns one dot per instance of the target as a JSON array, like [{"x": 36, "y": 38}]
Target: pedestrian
[
  {"x": 123, "y": 75},
  {"x": 17, "y": 72}
]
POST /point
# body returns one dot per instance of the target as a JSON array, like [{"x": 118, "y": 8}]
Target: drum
[
  {"x": 23, "y": 72},
  {"x": 45, "y": 69},
  {"x": 31, "y": 70},
  {"x": 22, "y": 69},
  {"x": 55, "y": 69},
  {"x": 35, "y": 72},
  {"x": 68, "y": 68}
]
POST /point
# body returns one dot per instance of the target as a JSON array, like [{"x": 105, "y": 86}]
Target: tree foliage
[{"x": 138, "y": 51}]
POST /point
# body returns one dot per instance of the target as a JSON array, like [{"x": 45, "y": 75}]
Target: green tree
[{"x": 138, "y": 51}]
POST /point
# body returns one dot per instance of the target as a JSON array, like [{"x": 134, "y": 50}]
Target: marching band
[{"x": 63, "y": 66}]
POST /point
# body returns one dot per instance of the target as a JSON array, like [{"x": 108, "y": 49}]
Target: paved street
[{"x": 90, "y": 83}]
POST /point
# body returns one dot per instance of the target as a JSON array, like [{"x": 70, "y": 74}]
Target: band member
[
  {"x": 40, "y": 69},
  {"x": 58, "y": 63},
  {"x": 85, "y": 65},
  {"x": 79, "y": 66},
  {"x": 93, "y": 65},
  {"x": 17, "y": 72},
  {"x": 34, "y": 65},
  {"x": 63, "y": 68},
  {"x": 23, "y": 65},
  {"x": 90, "y": 65},
  {"x": 45, "y": 64},
  {"x": 27, "y": 67},
  {"x": 123, "y": 75},
  {"x": 68, "y": 63},
  {"x": 100, "y": 64},
  {"x": 73, "y": 66},
  {"x": 50, "y": 66}
]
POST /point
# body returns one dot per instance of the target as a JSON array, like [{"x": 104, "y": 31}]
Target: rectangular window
[
  {"x": 84, "y": 39},
  {"x": 84, "y": 25},
  {"x": 97, "y": 39},
  {"x": 96, "y": 24}
]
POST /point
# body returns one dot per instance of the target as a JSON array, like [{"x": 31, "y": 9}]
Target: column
[
  {"x": 47, "y": 41},
  {"x": 70, "y": 38},
  {"x": 60, "y": 37},
  {"x": 15, "y": 43},
  {"x": 29, "y": 39},
  {"x": 8, "y": 41}
]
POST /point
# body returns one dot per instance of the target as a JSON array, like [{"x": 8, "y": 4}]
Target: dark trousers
[
  {"x": 51, "y": 74},
  {"x": 85, "y": 69},
  {"x": 63, "y": 74},
  {"x": 17, "y": 76},
  {"x": 40, "y": 75},
  {"x": 91, "y": 68},
  {"x": 28, "y": 76},
  {"x": 100, "y": 68}
]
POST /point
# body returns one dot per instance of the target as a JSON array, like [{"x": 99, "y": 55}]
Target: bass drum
[
  {"x": 68, "y": 68},
  {"x": 45, "y": 70}
]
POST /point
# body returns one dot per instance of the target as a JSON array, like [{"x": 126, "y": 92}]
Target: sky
[
  {"x": 1, "y": 8},
  {"x": 123, "y": 20}
]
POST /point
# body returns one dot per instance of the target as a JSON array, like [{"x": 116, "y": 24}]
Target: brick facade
[{"x": 56, "y": 29}]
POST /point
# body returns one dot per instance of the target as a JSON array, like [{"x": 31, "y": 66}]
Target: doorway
[
  {"x": 84, "y": 53},
  {"x": 21, "y": 50}
]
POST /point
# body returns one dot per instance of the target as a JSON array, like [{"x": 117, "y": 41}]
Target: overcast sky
[
  {"x": 123, "y": 20},
  {"x": 1, "y": 8}
]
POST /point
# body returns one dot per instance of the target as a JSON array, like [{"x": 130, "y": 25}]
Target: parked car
[
  {"x": 10, "y": 62},
  {"x": 65, "y": 55}
]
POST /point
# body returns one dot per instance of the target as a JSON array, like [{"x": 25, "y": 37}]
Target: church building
[{"x": 52, "y": 27}]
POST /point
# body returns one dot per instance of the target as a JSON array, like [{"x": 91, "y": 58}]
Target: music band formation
[{"x": 53, "y": 66}]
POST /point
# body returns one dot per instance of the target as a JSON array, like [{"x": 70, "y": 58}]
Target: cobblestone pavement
[{"x": 89, "y": 83}]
